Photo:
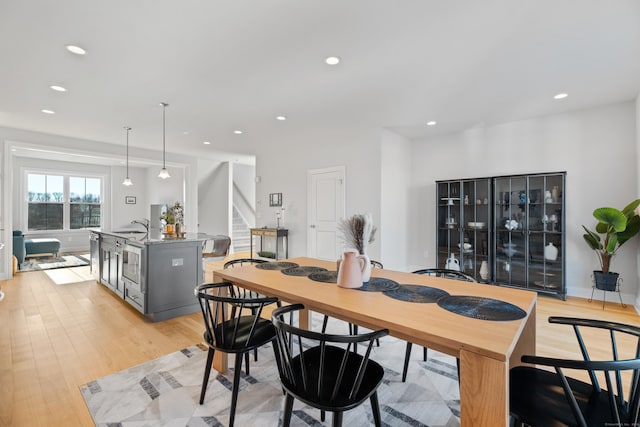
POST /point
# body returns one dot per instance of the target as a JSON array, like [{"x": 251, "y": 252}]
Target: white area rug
[
  {"x": 51, "y": 262},
  {"x": 165, "y": 392}
]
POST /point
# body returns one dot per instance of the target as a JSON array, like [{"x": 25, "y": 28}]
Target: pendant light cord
[
  {"x": 128, "y": 129},
  {"x": 164, "y": 131},
  {"x": 164, "y": 174}
]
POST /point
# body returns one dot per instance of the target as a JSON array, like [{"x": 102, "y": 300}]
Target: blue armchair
[{"x": 19, "y": 249}]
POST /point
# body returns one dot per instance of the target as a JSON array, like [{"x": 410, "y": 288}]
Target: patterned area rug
[
  {"x": 165, "y": 391},
  {"x": 51, "y": 262}
]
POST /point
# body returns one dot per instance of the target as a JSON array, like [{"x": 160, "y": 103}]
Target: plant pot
[{"x": 605, "y": 281}]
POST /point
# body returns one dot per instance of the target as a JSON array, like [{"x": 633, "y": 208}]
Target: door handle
[{"x": 312, "y": 226}]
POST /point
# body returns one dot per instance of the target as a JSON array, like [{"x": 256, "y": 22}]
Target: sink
[{"x": 129, "y": 232}]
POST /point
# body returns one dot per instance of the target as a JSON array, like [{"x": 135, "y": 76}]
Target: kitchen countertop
[{"x": 154, "y": 236}]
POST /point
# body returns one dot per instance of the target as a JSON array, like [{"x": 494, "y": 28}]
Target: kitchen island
[{"x": 154, "y": 273}]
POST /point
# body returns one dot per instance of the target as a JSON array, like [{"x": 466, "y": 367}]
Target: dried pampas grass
[{"x": 358, "y": 232}]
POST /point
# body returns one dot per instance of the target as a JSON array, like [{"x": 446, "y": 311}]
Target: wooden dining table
[{"x": 487, "y": 349}]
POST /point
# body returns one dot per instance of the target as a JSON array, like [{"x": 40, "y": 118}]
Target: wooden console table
[{"x": 281, "y": 235}]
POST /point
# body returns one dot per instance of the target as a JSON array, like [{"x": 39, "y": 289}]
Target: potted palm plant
[{"x": 614, "y": 228}]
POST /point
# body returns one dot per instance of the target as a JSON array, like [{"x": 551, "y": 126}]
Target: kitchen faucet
[{"x": 144, "y": 222}]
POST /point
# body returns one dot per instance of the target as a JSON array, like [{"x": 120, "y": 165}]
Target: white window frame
[{"x": 66, "y": 209}]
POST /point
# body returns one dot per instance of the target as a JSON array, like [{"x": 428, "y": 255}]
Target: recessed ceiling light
[
  {"x": 281, "y": 118},
  {"x": 48, "y": 111},
  {"x": 76, "y": 49},
  {"x": 332, "y": 60},
  {"x": 237, "y": 132},
  {"x": 186, "y": 132},
  {"x": 432, "y": 123},
  {"x": 206, "y": 142},
  {"x": 58, "y": 88},
  {"x": 561, "y": 96}
]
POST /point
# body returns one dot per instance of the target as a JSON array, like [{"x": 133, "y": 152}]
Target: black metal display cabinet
[{"x": 505, "y": 230}]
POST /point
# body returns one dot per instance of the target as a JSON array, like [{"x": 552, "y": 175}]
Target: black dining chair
[
  {"x": 228, "y": 329},
  {"x": 323, "y": 370},
  {"x": 543, "y": 397},
  {"x": 437, "y": 272},
  {"x": 239, "y": 262},
  {"x": 246, "y": 293}
]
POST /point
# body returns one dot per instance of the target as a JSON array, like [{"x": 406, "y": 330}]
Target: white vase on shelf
[
  {"x": 484, "y": 270},
  {"x": 550, "y": 252},
  {"x": 452, "y": 263}
]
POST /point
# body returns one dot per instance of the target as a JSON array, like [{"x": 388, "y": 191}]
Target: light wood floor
[{"x": 55, "y": 338}]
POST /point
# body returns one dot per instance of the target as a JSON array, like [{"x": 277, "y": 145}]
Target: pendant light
[
  {"x": 127, "y": 180},
  {"x": 164, "y": 173}
]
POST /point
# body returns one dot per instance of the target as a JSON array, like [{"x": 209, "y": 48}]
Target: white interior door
[{"x": 326, "y": 205}]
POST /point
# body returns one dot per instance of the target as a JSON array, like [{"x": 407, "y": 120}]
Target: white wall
[
  {"x": 168, "y": 192},
  {"x": 597, "y": 149},
  {"x": 282, "y": 166},
  {"x": 637, "y": 301},
  {"x": 214, "y": 183},
  {"x": 244, "y": 179},
  {"x": 5, "y": 248},
  {"x": 395, "y": 177},
  {"x": 121, "y": 213}
]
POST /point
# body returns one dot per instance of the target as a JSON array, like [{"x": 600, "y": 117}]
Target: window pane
[
  {"x": 36, "y": 187},
  {"x": 76, "y": 189},
  {"x": 84, "y": 215},
  {"x": 45, "y": 188},
  {"x": 84, "y": 189},
  {"x": 55, "y": 188},
  {"x": 45, "y": 216},
  {"x": 93, "y": 190}
]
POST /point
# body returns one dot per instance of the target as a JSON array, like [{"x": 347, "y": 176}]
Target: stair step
[{"x": 241, "y": 237}]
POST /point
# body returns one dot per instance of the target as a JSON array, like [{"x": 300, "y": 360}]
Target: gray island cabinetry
[{"x": 154, "y": 275}]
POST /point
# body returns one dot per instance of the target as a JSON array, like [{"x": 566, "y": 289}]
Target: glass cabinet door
[
  {"x": 464, "y": 221},
  {"x": 448, "y": 226},
  {"x": 529, "y": 235},
  {"x": 476, "y": 215},
  {"x": 511, "y": 230},
  {"x": 545, "y": 233}
]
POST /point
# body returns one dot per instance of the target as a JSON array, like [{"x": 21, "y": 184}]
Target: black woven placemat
[
  {"x": 276, "y": 265},
  {"x": 481, "y": 308},
  {"x": 324, "y": 276},
  {"x": 304, "y": 270},
  {"x": 416, "y": 293},
  {"x": 379, "y": 284}
]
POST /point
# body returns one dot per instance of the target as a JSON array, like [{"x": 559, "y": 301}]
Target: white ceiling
[{"x": 225, "y": 65}]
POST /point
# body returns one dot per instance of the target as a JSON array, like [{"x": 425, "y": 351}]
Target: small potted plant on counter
[
  {"x": 173, "y": 218},
  {"x": 178, "y": 213},
  {"x": 169, "y": 221},
  {"x": 615, "y": 227}
]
